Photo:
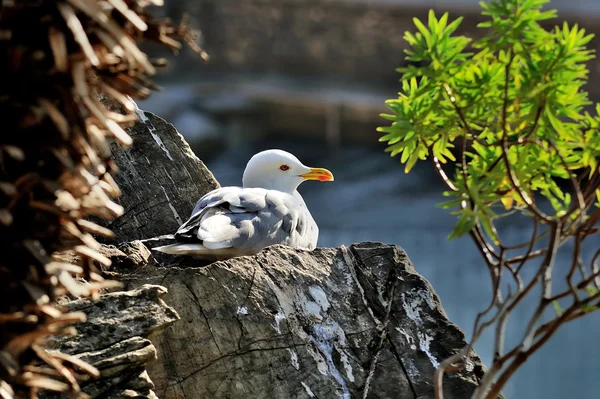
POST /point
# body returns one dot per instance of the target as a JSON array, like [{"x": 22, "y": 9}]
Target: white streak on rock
[
  {"x": 326, "y": 334},
  {"x": 411, "y": 307},
  {"x": 313, "y": 310},
  {"x": 321, "y": 363},
  {"x": 323, "y": 340},
  {"x": 412, "y": 302},
  {"x": 347, "y": 365},
  {"x": 469, "y": 366},
  {"x": 409, "y": 340},
  {"x": 308, "y": 391},
  {"x": 242, "y": 310},
  {"x": 169, "y": 176},
  {"x": 294, "y": 359},
  {"x": 424, "y": 342},
  {"x": 319, "y": 296},
  {"x": 173, "y": 210},
  {"x": 144, "y": 119},
  {"x": 412, "y": 370},
  {"x": 278, "y": 317}
]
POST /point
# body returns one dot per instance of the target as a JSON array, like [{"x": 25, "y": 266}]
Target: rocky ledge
[{"x": 350, "y": 322}]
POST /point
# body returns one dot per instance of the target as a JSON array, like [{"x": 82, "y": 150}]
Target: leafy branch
[{"x": 511, "y": 107}]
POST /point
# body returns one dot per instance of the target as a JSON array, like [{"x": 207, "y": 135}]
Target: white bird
[{"x": 268, "y": 209}]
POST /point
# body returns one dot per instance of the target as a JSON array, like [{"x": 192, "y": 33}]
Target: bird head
[{"x": 280, "y": 170}]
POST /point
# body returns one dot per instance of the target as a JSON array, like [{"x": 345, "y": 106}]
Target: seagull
[{"x": 267, "y": 210}]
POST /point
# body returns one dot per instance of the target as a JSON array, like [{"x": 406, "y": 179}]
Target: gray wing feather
[{"x": 249, "y": 219}]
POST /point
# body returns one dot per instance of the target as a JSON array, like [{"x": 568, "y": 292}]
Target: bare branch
[{"x": 442, "y": 174}]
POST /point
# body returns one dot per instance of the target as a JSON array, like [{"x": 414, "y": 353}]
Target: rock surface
[
  {"x": 114, "y": 339},
  {"x": 344, "y": 322},
  {"x": 160, "y": 179}
]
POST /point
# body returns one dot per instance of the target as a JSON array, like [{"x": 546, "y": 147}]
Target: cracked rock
[
  {"x": 160, "y": 179},
  {"x": 344, "y": 322},
  {"x": 114, "y": 339},
  {"x": 116, "y": 317}
]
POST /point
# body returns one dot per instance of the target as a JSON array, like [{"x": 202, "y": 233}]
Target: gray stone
[
  {"x": 136, "y": 255},
  {"x": 353, "y": 321},
  {"x": 114, "y": 338},
  {"x": 116, "y": 386},
  {"x": 118, "y": 316},
  {"x": 118, "y": 358},
  {"x": 160, "y": 179}
]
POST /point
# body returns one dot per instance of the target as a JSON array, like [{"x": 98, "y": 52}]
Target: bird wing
[{"x": 248, "y": 220}]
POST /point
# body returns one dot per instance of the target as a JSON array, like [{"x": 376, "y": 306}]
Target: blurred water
[{"x": 372, "y": 199}]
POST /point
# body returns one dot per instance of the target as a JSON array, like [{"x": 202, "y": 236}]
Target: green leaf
[
  {"x": 452, "y": 26},
  {"x": 487, "y": 226},
  {"x": 465, "y": 224},
  {"x": 411, "y": 161},
  {"x": 516, "y": 96},
  {"x": 432, "y": 22},
  {"x": 591, "y": 290},
  {"x": 557, "y": 308},
  {"x": 423, "y": 30},
  {"x": 556, "y": 123}
]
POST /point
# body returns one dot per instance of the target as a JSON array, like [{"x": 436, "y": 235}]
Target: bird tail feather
[
  {"x": 181, "y": 249},
  {"x": 199, "y": 251}
]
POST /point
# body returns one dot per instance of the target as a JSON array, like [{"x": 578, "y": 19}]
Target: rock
[
  {"x": 123, "y": 255},
  {"x": 346, "y": 322},
  {"x": 160, "y": 178},
  {"x": 118, "y": 316},
  {"x": 114, "y": 338},
  {"x": 121, "y": 367},
  {"x": 118, "y": 357},
  {"x": 136, "y": 254}
]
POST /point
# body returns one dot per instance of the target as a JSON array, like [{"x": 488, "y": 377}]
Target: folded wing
[{"x": 232, "y": 221}]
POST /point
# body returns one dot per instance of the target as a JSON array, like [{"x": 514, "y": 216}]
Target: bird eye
[{"x": 284, "y": 167}]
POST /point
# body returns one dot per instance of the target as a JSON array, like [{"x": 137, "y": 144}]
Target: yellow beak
[{"x": 319, "y": 174}]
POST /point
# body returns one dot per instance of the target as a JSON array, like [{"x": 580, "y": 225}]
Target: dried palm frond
[{"x": 61, "y": 63}]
